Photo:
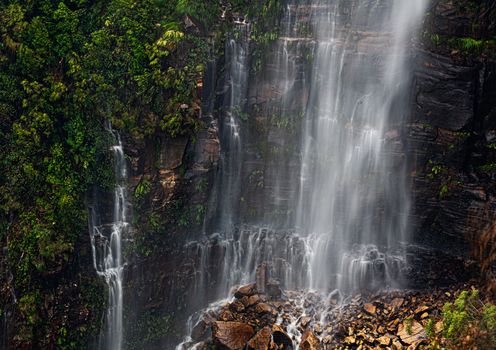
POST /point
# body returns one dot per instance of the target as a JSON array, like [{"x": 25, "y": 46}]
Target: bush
[{"x": 467, "y": 323}]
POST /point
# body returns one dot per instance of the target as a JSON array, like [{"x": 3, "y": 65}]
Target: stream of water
[
  {"x": 343, "y": 65},
  {"x": 106, "y": 242}
]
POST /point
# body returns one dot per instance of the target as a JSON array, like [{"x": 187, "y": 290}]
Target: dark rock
[
  {"x": 445, "y": 92},
  {"x": 280, "y": 337},
  {"x": 201, "y": 331},
  {"x": 237, "y": 306},
  {"x": 273, "y": 290},
  {"x": 232, "y": 335},
  {"x": 247, "y": 290},
  {"x": 264, "y": 308}
]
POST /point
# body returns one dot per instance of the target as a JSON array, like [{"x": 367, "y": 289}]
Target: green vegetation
[
  {"x": 67, "y": 67},
  {"x": 467, "y": 323},
  {"x": 149, "y": 328}
]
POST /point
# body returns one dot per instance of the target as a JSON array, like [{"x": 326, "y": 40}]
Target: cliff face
[
  {"x": 451, "y": 133},
  {"x": 449, "y": 140}
]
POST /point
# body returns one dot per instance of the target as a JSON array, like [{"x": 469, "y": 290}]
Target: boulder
[
  {"x": 411, "y": 332},
  {"x": 264, "y": 308},
  {"x": 310, "y": 342},
  {"x": 370, "y": 309},
  {"x": 201, "y": 331},
  {"x": 232, "y": 335},
  {"x": 261, "y": 341},
  {"x": 246, "y": 290},
  {"x": 280, "y": 337}
]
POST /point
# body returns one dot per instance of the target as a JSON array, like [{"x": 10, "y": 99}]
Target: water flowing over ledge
[
  {"x": 106, "y": 242},
  {"x": 352, "y": 205}
]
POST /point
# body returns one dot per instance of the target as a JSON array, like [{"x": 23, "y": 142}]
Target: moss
[{"x": 149, "y": 329}]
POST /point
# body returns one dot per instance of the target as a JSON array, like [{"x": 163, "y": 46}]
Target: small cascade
[
  {"x": 228, "y": 184},
  {"x": 225, "y": 262},
  {"x": 106, "y": 242}
]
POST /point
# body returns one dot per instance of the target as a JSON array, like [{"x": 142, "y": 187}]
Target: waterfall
[
  {"x": 340, "y": 72},
  {"x": 106, "y": 242},
  {"x": 229, "y": 186},
  {"x": 354, "y": 199}
]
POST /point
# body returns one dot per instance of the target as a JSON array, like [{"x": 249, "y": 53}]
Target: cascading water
[
  {"x": 343, "y": 66},
  {"x": 354, "y": 201},
  {"x": 106, "y": 241},
  {"x": 231, "y": 160}
]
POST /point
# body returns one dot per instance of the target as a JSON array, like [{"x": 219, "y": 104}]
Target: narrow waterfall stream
[
  {"x": 106, "y": 241},
  {"x": 343, "y": 67}
]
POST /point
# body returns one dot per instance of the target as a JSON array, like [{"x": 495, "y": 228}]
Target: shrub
[{"x": 468, "y": 323}]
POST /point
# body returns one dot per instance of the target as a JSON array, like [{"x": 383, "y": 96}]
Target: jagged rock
[
  {"x": 201, "y": 331},
  {"x": 261, "y": 341},
  {"x": 367, "y": 337},
  {"x": 350, "y": 339},
  {"x": 246, "y": 290},
  {"x": 370, "y": 308},
  {"x": 411, "y": 331},
  {"x": 280, "y": 337},
  {"x": 310, "y": 342},
  {"x": 305, "y": 321},
  {"x": 397, "y": 302},
  {"x": 232, "y": 335},
  {"x": 263, "y": 308},
  {"x": 421, "y": 309},
  {"x": 237, "y": 306},
  {"x": 384, "y": 340}
]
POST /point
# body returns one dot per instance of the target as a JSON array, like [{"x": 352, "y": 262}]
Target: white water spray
[{"x": 106, "y": 242}]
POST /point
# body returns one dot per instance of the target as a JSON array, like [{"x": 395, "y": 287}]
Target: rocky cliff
[{"x": 449, "y": 140}]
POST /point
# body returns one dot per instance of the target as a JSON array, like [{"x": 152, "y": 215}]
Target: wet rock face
[
  {"x": 448, "y": 139},
  {"x": 170, "y": 180},
  {"x": 231, "y": 335}
]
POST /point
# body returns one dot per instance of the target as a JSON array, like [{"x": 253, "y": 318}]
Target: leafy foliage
[
  {"x": 467, "y": 323},
  {"x": 67, "y": 66}
]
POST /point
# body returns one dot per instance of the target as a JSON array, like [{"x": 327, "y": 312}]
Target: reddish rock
[
  {"x": 280, "y": 337},
  {"x": 305, "y": 321},
  {"x": 232, "y": 335},
  {"x": 411, "y": 332},
  {"x": 370, "y": 309},
  {"x": 261, "y": 341},
  {"x": 310, "y": 342}
]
